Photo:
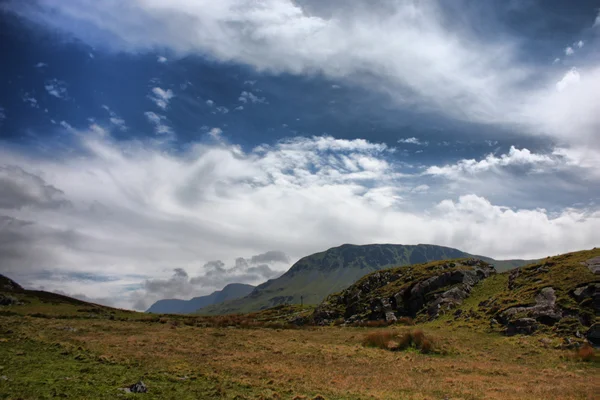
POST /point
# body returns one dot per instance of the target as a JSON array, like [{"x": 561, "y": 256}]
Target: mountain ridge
[
  {"x": 315, "y": 276},
  {"x": 180, "y": 306}
]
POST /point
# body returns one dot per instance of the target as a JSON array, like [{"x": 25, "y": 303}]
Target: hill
[
  {"x": 558, "y": 294},
  {"x": 176, "y": 306},
  {"x": 314, "y": 277},
  {"x": 54, "y": 346}
]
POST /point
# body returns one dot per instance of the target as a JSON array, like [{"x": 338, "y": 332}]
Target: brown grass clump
[
  {"x": 418, "y": 337},
  {"x": 397, "y": 342},
  {"x": 586, "y": 353},
  {"x": 379, "y": 339}
]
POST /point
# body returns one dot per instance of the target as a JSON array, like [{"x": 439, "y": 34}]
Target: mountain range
[
  {"x": 314, "y": 277},
  {"x": 177, "y": 306}
]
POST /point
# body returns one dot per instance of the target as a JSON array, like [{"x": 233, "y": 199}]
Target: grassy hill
[
  {"x": 559, "y": 295},
  {"x": 52, "y": 346},
  {"x": 314, "y": 277},
  {"x": 176, "y": 306}
]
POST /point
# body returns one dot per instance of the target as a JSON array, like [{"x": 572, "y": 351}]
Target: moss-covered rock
[{"x": 422, "y": 290}]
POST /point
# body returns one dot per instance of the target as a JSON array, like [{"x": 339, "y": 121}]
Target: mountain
[
  {"x": 314, "y": 277},
  {"x": 559, "y": 295},
  {"x": 176, "y": 306}
]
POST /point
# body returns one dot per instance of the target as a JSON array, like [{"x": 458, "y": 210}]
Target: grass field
[{"x": 74, "y": 357}]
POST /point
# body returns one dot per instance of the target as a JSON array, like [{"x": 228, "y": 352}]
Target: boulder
[
  {"x": 594, "y": 265},
  {"x": 521, "y": 326},
  {"x": 593, "y": 335},
  {"x": 588, "y": 296},
  {"x": 138, "y": 387},
  {"x": 544, "y": 311},
  {"x": 8, "y": 300}
]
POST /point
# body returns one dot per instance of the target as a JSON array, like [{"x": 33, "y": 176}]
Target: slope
[
  {"x": 176, "y": 306},
  {"x": 314, "y": 277},
  {"x": 558, "y": 295}
]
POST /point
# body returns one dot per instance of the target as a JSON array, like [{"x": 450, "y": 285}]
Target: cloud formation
[
  {"x": 137, "y": 211},
  {"x": 56, "y": 88},
  {"x": 418, "y": 53},
  {"x": 161, "y": 97}
]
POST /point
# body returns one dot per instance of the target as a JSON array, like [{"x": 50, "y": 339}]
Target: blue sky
[{"x": 155, "y": 149}]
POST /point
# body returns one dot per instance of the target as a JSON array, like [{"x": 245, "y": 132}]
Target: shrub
[
  {"x": 586, "y": 353},
  {"x": 391, "y": 341},
  {"x": 379, "y": 339}
]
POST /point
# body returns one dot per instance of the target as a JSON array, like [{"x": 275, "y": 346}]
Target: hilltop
[{"x": 314, "y": 277}]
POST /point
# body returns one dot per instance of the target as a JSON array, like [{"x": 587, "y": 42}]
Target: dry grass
[
  {"x": 330, "y": 361},
  {"x": 395, "y": 341},
  {"x": 586, "y": 353}
]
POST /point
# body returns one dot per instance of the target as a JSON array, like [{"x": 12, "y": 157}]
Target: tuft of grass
[
  {"x": 379, "y": 339},
  {"x": 586, "y": 353},
  {"x": 389, "y": 340}
]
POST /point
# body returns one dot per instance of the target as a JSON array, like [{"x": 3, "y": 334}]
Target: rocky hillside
[
  {"x": 176, "y": 306},
  {"x": 558, "y": 295},
  {"x": 422, "y": 290},
  {"x": 314, "y": 277}
]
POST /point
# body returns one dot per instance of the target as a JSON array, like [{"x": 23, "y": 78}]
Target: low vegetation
[
  {"x": 400, "y": 341},
  {"x": 52, "y": 346}
]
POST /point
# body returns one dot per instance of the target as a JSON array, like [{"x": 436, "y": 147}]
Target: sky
[{"x": 157, "y": 149}]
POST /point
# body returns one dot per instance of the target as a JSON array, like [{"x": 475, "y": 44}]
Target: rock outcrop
[
  {"x": 424, "y": 290},
  {"x": 560, "y": 294}
]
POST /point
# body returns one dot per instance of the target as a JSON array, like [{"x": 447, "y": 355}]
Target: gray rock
[
  {"x": 138, "y": 387},
  {"x": 588, "y": 296},
  {"x": 544, "y": 311},
  {"x": 8, "y": 300},
  {"x": 594, "y": 265},
  {"x": 521, "y": 326},
  {"x": 593, "y": 335}
]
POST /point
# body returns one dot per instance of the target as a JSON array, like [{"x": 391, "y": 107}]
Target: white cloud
[
  {"x": 556, "y": 60},
  {"x": 161, "y": 97},
  {"x": 246, "y": 97},
  {"x": 115, "y": 119},
  {"x": 215, "y": 133},
  {"x": 160, "y": 127},
  {"x": 597, "y": 20},
  {"x": 571, "y": 77},
  {"x": 29, "y": 99},
  {"x": 138, "y": 211},
  {"x": 514, "y": 157},
  {"x": 56, "y": 88},
  {"x": 41, "y": 65},
  {"x": 239, "y": 108},
  {"x": 413, "y": 140},
  {"x": 221, "y": 110},
  {"x": 161, "y": 59},
  {"x": 580, "y": 44},
  {"x": 569, "y": 51},
  {"x": 210, "y": 103},
  {"x": 417, "y": 53},
  {"x": 250, "y": 82}
]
